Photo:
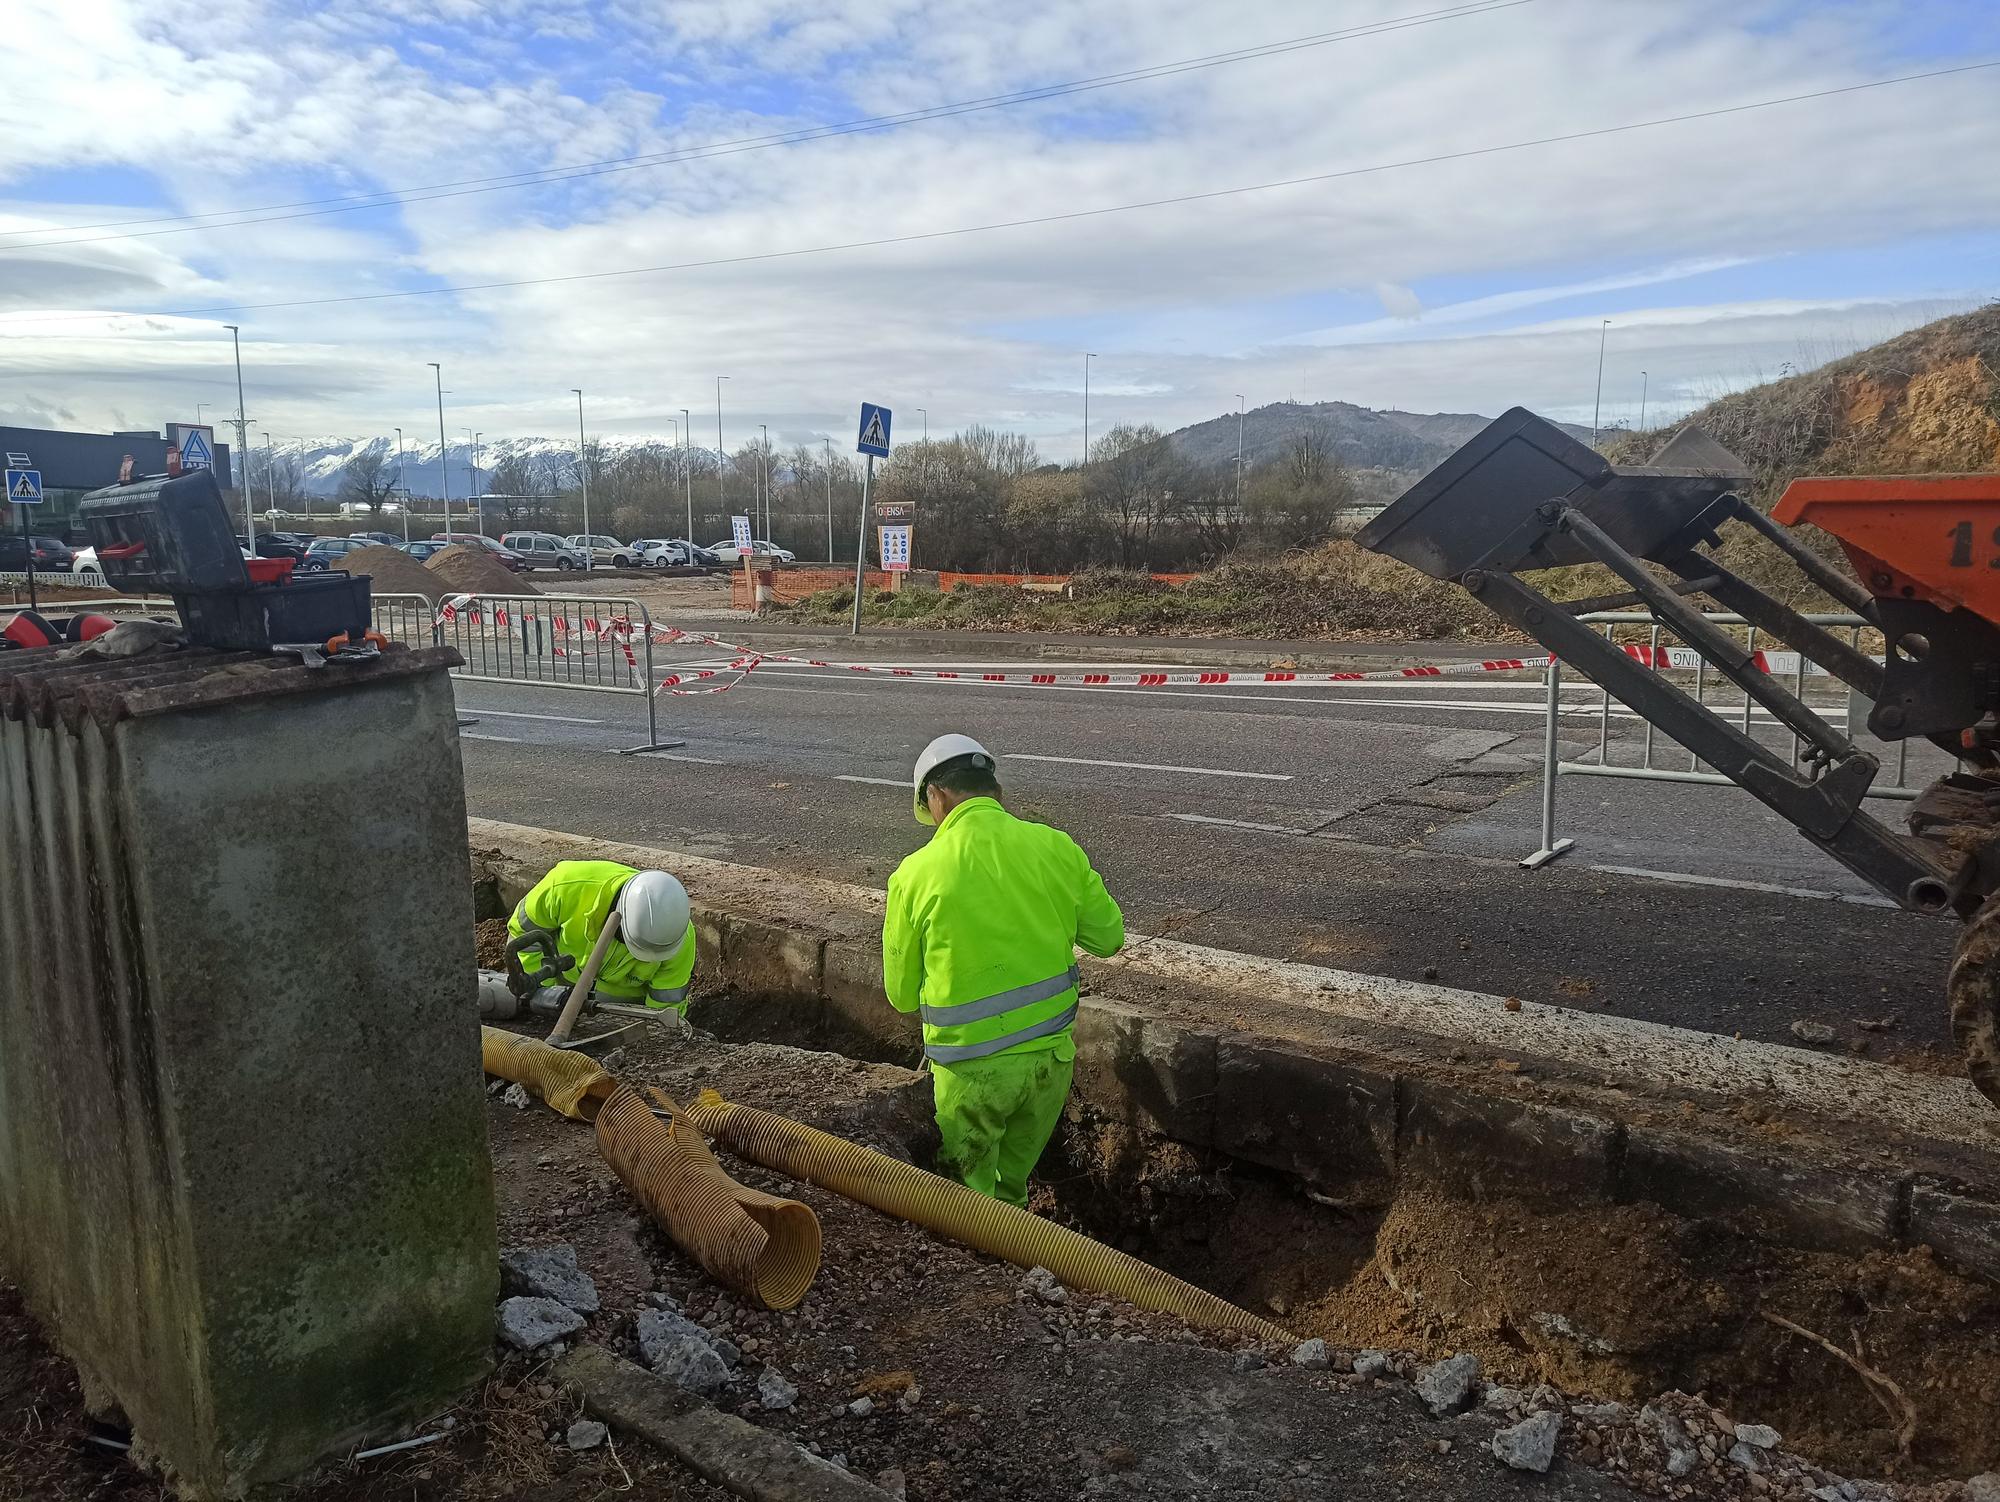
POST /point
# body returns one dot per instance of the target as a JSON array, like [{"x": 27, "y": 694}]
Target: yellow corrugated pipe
[
  {"x": 965, "y": 1215},
  {"x": 755, "y": 1244},
  {"x": 763, "y": 1247},
  {"x": 566, "y": 1081}
]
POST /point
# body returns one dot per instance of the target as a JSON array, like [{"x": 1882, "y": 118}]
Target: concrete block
[
  {"x": 243, "y": 1164},
  {"x": 858, "y": 1013},
  {"x": 1293, "y": 1110},
  {"x": 1481, "y": 1144},
  {"x": 1962, "y": 1229},
  {"x": 1776, "y": 1196},
  {"x": 768, "y": 959},
  {"x": 1146, "y": 1071}
]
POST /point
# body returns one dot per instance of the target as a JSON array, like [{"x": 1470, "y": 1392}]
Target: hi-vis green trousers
[{"x": 997, "y": 1114}]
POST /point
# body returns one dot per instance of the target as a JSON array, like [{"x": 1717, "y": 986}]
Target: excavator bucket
[{"x": 1478, "y": 508}]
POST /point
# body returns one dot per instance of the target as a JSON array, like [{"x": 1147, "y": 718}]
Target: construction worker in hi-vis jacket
[{"x": 980, "y": 936}]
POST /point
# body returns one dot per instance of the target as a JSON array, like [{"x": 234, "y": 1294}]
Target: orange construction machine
[{"x": 1523, "y": 496}]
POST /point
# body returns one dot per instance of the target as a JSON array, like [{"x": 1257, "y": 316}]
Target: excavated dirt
[
  {"x": 393, "y": 571},
  {"x": 1623, "y": 1302},
  {"x": 466, "y": 569}
]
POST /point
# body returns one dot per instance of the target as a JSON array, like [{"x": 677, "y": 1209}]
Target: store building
[{"x": 74, "y": 464}]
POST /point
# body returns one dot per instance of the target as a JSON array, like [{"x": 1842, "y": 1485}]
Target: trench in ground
[{"x": 1608, "y": 1301}]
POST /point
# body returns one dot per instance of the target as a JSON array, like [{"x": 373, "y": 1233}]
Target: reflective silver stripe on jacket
[
  {"x": 959, "y": 1013},
  {"x": 673, "y": 996},
  {"x": 945, "y": 1053}
]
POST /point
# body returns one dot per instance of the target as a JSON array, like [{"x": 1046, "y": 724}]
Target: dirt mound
[
  {"x": 468, "y": 569},
  {"x": 392, "y": 571}
]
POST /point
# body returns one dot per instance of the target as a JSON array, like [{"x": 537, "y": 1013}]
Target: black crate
[{"x": 312, "y": 609}]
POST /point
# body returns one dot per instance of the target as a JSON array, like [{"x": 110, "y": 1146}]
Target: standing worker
[
  {"x": 652, "y": 959},
  {"x": 980, "y": 936}
]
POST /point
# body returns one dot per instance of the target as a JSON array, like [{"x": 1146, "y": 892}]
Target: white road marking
[
  {"x": 505, "y": 740},
  {"x": 845, "y": 693},
  {"x": 1689, "y": 879},
  {"x": 1239, "y": 824},
  {"x": 516, "y": 714},
  {"x": 1147, "y": 766},
  {"x": 880, "y": 782},
  {"x": 700, "y": 761}
]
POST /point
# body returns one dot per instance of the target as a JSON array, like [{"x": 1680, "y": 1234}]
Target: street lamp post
[
  {"x": 242, "y": 439},
  {"x": 270, "y": 470},
  {"x": 472, "y": 478},
  {"x": 764, "y": 474},
  {"x": 1239, "y": 456},
  {"x": 1597, "y": 407},
  {"x": 1643, "y": 380},
  {"x": 829, "y": 500},
  {"x": 444, "y": 469},
  {"x": 583, "y": 469},
  {"x": 1086, "y": 407},
  {"x": 404, "y": 488},
  {"x": 687, "y": 474},
  {"x": 721, "y": 498},
  {"x": 925, "y": 413}
]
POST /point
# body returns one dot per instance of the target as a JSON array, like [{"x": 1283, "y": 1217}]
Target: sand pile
[
  {"x": 392, "y": 572},
  {"x": 467, "y": 568}
]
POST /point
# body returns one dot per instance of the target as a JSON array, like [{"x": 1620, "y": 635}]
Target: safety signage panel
[
  {"x": 874, "y": 437},
  {"x": 196, "y": 443},
  {"x": 895, "y": 545},
  {"x": 739, "y": 532},
  {"x": 24, "y": 487}
]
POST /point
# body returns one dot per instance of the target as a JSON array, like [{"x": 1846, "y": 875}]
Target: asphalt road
[{"x": 1374, "y": 827}]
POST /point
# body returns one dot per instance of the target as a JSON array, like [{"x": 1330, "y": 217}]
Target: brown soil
[
  {"x": 393, "y": 571},
  {"x": 490, "y": 942},
  {"x": 467, "y": 569},
  {"x": 1625, "y": 1302}
]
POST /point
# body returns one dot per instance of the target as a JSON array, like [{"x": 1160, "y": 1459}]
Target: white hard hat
[
  {"x": 946, "y": 748},
  {"x": 652, "y": 916}
]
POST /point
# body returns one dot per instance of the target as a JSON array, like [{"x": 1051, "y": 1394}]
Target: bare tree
[{"x": 368, "y": 479}]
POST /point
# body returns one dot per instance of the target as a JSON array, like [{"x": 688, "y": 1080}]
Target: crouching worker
[
  {"x": 980, "y": 937},
  {"x": 650, "y": 962}
]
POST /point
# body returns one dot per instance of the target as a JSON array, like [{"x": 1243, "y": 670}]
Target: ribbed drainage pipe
[
  {"x": 757, "y": 1244},
  {"x": 965, "y": 1215},
  {"x": 566, "y": 1081}
]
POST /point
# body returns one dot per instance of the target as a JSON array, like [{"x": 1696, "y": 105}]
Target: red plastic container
[{"x": 269, "y": 570}]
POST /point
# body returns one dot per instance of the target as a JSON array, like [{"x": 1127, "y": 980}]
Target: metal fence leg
[
  {"x": 1551, "y": 846},
  {"x": 653, "y": 741}
]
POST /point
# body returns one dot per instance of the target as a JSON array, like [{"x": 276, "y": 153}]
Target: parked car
[
  {"x": 83, "y": 567},
  {"x": 421, "y": 549},
  {"x": 330, "y": 552},
  {"x": 507, "y": 557},
  {"x": 51, "y": 553},
  {"x": 543, "y": 550},
  {"x": 377, "y": 539},
  {"x": 279, "y": 545},
  {"x": 605, "y": 552},
  {"x": 727, "y": 551},
  {"x": 672, "y": 552}
]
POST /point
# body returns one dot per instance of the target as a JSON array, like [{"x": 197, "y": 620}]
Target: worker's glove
[{"x": 555, "y": 962}]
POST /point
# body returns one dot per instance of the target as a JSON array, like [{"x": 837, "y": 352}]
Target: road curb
[
  {"x": 737, "y": 1455},
  {"x": 1369, "y": 1085}
]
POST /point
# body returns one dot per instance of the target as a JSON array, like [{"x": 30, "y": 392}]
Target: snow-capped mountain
[{"x": 321, "y": 460}]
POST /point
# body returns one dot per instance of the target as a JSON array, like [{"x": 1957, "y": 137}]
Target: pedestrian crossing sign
[
  {"x": 24, "y": 487},
  {"x": 874, "y": 437}
]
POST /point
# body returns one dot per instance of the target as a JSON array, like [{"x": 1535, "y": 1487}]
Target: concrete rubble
[
  {"x": 682, "y": 1351},
  {"x": 548, "y": 1272},
  {"x": 1529, "y": 1445},
  {"x": 1449, "y": 1385},
  {"x": 528, "y": 1323}
]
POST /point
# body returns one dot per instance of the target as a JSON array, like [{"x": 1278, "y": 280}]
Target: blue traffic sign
[
  {"x": 195, "y": 452},
  {"x": 874, "y": 437},
  {"x": 24, "y": 487}
]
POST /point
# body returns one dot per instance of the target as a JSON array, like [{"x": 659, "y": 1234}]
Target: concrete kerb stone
[
  {"x": 1293, "y": 1110},
  {"x": 1379, "y": 1099},
  {"x": 744, "y": 1459}
]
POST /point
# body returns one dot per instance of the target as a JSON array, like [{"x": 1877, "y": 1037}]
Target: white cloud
[{"x": 248, "y": 102}]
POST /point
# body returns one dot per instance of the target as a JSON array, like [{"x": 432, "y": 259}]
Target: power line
[
  {"x": 919, "y": 236},
  {"x": 180, "y": 224}
]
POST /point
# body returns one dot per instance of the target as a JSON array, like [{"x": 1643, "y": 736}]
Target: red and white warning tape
[{"x": 620, "y": 631}]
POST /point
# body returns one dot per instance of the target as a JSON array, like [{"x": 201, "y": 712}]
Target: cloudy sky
[{"x": 341, "y": 152}]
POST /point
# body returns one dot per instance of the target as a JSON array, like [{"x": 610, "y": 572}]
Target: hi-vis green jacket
[
  {"x": 981, "y": 934},
  {"x": 573, "y": 901}
]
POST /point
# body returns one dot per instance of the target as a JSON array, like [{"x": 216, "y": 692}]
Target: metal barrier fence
[
  {"x": 593, "y": 643},
  {"x": 1681, "y": 659}
]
